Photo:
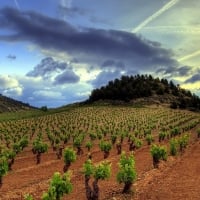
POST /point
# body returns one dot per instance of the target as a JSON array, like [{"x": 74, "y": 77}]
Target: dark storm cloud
[
  {"x": 193, "y": 79},
  {"x": 177, "y": 71},
  {"x": 46, "y": 67},
  {"x": 112, "y": 63},
  {"x": 66, "y": 77},
  {"x": 85, "y": 44}
]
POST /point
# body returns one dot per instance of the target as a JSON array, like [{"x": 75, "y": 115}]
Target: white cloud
[
  {"x": 12, "y": 92},
  {"x": 48, "y": 94},
  {"x": 10, "y": 86}
]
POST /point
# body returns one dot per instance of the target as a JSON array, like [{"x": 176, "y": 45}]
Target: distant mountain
[
  {"x": 146, "y": 90},
  {"x": 10, "y": 105}
]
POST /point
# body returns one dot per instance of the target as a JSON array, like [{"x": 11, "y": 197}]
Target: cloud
[
  {"x": 176, "y": 71},
  {"x": 47, "y": 67},
  {"x": 67, "y": 76},
  {"x": 189, "y": 56},
  {"x": 11, "y": 57},
  {"x": 88, "y": 45},
  {"x": 17, "y": 4},
  {"x": 113, "y": 63},
  {"x": 71, "y": 11},
  {"x": 46, "y": 94},
  {"x": 13, "y": 92},
  {"x": 194, "y": 87},
  {"x": 10, "y": 86},
  {"x": 58, "y": 72},
  {"x": 195, "y": 78},
  {"x": 105, "y": 76},
  {"x": 8, "y": 82},
  {"x": 186, "y": 29},
  {"x": 155, "y": 15},
  {"x": 39, "y": 92},
  {"x": 96, "y": 20}
]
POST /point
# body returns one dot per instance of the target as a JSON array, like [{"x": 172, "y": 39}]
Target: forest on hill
[{"x": 130, "y": 88}]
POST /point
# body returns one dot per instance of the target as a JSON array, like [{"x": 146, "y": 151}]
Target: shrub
[
  {"x": 93, "y": 136},
  {"x": 69, "y": 157},
  {"x": 119, "y": 147},
  {"x": 59, "y": 186},
  {"x": 198, "y": 133},
  {"x": 158, "y": 153},
  {"x": 23, "y": 143},
  {"x": 132, "y": 143},
  {"x": 10, "y": 156},
  {"x": 89, "y": 145},
  {"x": 88, "y": 168},
  {"x": 175, "y": 131},
  {"x": 183, "y": 142},
  {"x": 77, "y": 143},
  {"x": 28, "y": 197},
  {"x": 149, "y": 139},
  {"x": 102, "y": 171},
  {"x": 59, "y": 150},
  {"x": 113, "y": 138},
  {"x": 3, "y": 168},
  {"x": 127, "y": 173},
  {"x": 138, "y": 143},
  {"x": 105, "y": 147},
  {"x": 16, "y": 148},
  {"x": 161, "y": 136},
  {"x": 173, "y": 147},
  {"x": 147, "y": 132},
  {"x": 38, "y": 148},
  {"x": 99, "y": 172}
]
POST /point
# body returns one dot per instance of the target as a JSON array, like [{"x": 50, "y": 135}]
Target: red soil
[{"x": 178, "y": 178}]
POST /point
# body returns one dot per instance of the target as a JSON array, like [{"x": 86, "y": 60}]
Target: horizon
[{"x": 53, "y": 54}]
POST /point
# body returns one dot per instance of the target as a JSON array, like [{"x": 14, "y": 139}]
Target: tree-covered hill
[{"x": 132, "y": 88}]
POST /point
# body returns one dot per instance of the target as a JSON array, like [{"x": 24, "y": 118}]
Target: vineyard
[{"x": 102, "y": 152}]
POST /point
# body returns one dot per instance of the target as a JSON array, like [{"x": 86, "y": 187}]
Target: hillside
[
  {"x": 145, "y": 89},
  {"x": 10, "y": 105}
]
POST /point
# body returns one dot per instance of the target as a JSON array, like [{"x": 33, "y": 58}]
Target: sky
[{"x": 55, "y": 52}]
